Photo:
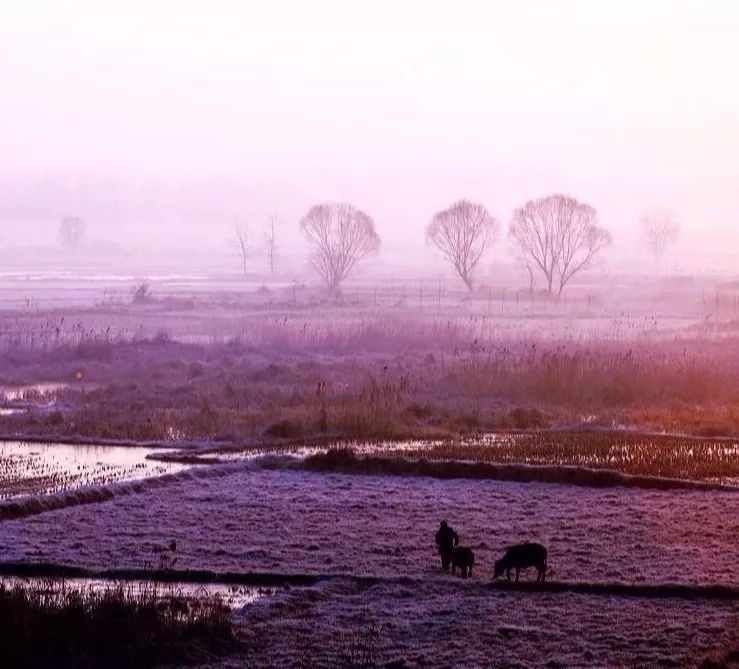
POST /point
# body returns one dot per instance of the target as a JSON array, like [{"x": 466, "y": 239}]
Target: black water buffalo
[
  {"x": 464, "y": 558},
  {"x": 520, "y": 557}
]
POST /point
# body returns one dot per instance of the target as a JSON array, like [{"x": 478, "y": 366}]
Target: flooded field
[
  {"x": 413, "y": 446},
  {"x": 34, "y": 468},
  {"x": 636, "y": 453}
]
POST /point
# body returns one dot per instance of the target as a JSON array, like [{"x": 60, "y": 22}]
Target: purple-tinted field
[
  {"x": 292, "y": 521},
  {"x": 287, "y": 521},
  {"x": 445, "y": 623}
]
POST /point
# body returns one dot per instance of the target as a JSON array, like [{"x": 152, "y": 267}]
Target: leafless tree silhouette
[
  {"x": 270, "y": 242},
  {"x": 659, "y": 230},
  {"x": 72, "y": 231},
  {"x": 340, "y": 235},
  {"x": 242, "y": 243},
  {"x": 462, "y": 233},
  {"x": 558, "y": 236}
]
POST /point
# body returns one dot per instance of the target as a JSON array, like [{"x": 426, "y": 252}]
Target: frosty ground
[{"x": 347, "y": 527}]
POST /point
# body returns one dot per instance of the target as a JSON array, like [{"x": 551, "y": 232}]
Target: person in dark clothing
[{"x": 446, "y": 540}]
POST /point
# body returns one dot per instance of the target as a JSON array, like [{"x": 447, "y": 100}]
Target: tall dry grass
[
  {"x": 365, "y": 377},
  {"x": 53, "y": 624}
]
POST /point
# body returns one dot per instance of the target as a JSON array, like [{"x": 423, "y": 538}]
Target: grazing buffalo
[
  {"x": 464, "y": 558},
  {"x": 520, "y": 557}
]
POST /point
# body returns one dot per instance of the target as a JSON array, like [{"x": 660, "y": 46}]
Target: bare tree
[
  {"x": 72, "y": 231},
  {"x": 462, "y": 233},
  {"x": 270, "y": 242},
  {"x": 558, "y": 236},
  {"x": 659, "y": 230},
  {"x": 340, "y": 235},
  {"x": 242, "y": 244}
]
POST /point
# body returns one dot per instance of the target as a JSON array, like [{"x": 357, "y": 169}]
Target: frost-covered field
[
  {"x": 293, "y": 521},
  {"x": 287, "y": 521},
  {"x": 445, "y": 623}
]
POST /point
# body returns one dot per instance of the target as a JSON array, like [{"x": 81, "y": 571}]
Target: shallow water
[
  {"x": 234, "y": 596},
  {"x": 31, "y": 468},
  {"x": 18, "y": 393},
  {"x": 360, "y": 448}
]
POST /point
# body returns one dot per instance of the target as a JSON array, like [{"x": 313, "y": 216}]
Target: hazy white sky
[{"x": 399, "y": 107}]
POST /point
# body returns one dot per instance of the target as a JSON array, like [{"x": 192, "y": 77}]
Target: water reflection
[
  {"x": 32, "y": 468},
  {"x": 35, "y": 390},
  {"x": 233, "y": 596}
]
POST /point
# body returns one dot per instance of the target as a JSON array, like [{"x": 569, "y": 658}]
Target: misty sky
[{"x": 400, "y": 107}]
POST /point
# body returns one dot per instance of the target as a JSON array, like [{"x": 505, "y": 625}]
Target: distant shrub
[
  {"x": 177, "y": 304},
  {"x": 54, "y": 418},
  {"x": 162, "y": 337},
  {"x": 420, "y": 411},
  {"x": 525, "y": 419},
  {"x": 141, "y": 294},
  {"x": 194, "y": 370},
  {"x": 268, "y": 373},
  {"x": 468, "y": 421},
  {"x": 102, "y": 350},
  {"x": 284, "y": 429}
]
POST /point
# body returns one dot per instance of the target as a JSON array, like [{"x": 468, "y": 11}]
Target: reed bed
[
  {"x": 51, "y": 623},
  {"x": 381, "y": 376}
]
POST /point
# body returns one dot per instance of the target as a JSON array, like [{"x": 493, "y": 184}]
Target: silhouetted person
[{"x": 446, "y": 540}]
